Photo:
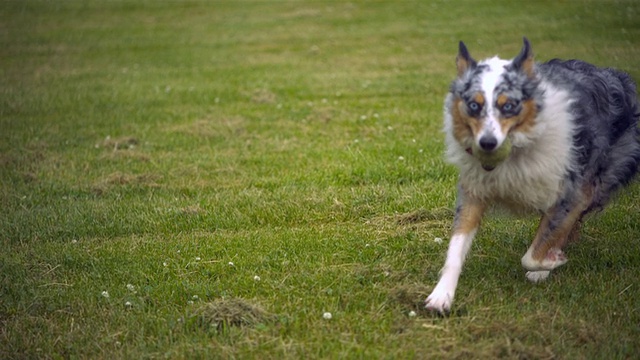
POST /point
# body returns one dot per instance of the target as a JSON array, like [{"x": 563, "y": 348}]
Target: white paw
[
  {"x": 537, "y": 276},
  {"x": 439, "y": 301},
  {"x": 555, "y": 258}
]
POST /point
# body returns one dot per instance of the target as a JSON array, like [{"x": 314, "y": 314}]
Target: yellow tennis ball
[{"x": 490, "y": 159}]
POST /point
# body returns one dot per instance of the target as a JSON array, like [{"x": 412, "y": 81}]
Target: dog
[{"x": 574, "y": 141}]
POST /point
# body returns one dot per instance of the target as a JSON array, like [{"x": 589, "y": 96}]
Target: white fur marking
[
  {"x": 442, "y": 295},
  {"x": 537, "y": 276},
  {"x": 491, "y": 124}
]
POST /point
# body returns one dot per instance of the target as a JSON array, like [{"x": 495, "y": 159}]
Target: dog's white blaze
[
  {"x": 442, "y": 295},
  {"x": 491, "y": 123}
]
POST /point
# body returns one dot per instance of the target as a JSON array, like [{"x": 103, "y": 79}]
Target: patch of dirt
[
  {"x": 423, "y": 224},
  {"x": 263, "y": 96},
  {"x": 192, "y": 210},
  {"x": 124, "y": 147},
  {"x": 411, "y": 296},
  {"x": 323, "y": 115},
  {"x": 236, "y": 312}
]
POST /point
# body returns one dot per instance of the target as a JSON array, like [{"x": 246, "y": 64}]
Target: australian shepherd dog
[{"x": 572, "y": 136}]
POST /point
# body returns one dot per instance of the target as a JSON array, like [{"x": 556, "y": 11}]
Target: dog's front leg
[{"x": 469, "y": 212}]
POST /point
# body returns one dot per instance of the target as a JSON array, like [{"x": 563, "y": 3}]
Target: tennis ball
[{"x": 490, "y": 159}]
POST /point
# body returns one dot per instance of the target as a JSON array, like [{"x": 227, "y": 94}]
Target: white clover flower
[
  {"x": 74, "y": 241},
  {"x": 131, "y": 288},
  {"x": 412, "y": 313},
  {"x": 400, "y": 158},
  {"x": 128, "y": 304},
  {"x": 327, "y": 316},
  {"x": 256, "y": 278},
  {"x": 231, "y": 263},
  {"x": 198, "y": 258},
  {"x": 190, "y": 302},
  {"x": 105, "y": 294},
  {"x": 165, "y": 264},
  {"x": 195, "y": 297},
  {"x": 438, "y": 240}
]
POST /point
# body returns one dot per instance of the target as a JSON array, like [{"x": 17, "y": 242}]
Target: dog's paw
[
  {"x": 555, "y": 258},
  {"x": 537, "y": 276},
  {"x": 439, "y": 301}
]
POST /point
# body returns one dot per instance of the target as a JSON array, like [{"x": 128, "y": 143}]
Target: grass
[{"x": 167, "y": 153}]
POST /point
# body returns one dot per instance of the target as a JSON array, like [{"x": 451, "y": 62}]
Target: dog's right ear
[{"x": 464, "y": 61}]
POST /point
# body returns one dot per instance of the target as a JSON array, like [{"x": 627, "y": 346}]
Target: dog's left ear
[
  {"x": 464, "y": 61},
  {"x": 524, "y": 61}
]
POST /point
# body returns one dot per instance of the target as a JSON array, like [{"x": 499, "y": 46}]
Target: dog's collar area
[{"x": 485, "y": 167}]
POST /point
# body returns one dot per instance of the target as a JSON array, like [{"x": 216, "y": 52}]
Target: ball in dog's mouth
[{"x": 491, "y": 159}]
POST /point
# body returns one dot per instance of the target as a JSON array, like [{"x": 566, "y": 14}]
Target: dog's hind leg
[
  {"x": 467, "y": 220},
  {"x": 557, "y": 226}
]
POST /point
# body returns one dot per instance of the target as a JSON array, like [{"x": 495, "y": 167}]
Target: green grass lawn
[{"x": 192, "y": 179}]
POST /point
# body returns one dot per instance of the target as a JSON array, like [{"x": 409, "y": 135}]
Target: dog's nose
[{"x": 488, "y": 142}]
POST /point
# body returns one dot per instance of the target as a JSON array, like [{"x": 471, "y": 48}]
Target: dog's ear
[
  {"x": 464, "y": 61},
  {"x": 524, "y": 61}
]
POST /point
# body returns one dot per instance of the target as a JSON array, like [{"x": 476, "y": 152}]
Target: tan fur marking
[
  {"x": 524, "y": 121},
  {"x": 469, "y": 216},
  {"x": 527, "y": 67},
  {"x": 462, "y": 65},
  {"x": 527, "y": 116},
  {"x": 479, "y": 98},
  {"x": 464, "y": 126},
  {"x": 502, "y": 99}
]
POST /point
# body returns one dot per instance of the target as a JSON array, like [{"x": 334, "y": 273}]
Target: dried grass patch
[{"x": 222, "y": 314}]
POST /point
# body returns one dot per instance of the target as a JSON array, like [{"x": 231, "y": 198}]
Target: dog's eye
[
  {"x": 474, "y": 107},
  {"x": 510, "y": 107}
]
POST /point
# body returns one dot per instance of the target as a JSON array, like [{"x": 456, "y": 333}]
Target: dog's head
[{"x": 493, "y": 98}]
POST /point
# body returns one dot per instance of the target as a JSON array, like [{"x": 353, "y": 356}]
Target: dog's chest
[{"x": 525, "y": 182}]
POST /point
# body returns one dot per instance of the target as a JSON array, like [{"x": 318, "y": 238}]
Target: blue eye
[
  {"x": 510, "y": 107},
  {"x": 474, "y": 106}
]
